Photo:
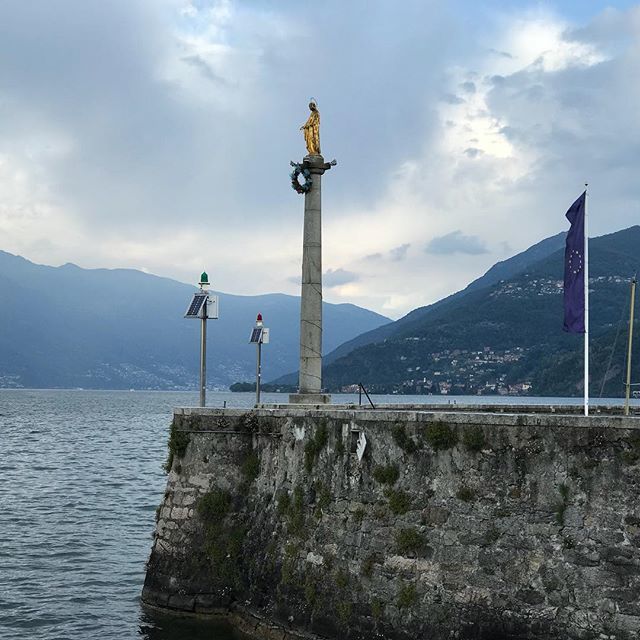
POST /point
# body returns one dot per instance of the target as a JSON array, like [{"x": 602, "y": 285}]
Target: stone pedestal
[
  {"x": 309, "y": 398},
  {"x": 310, "y": 381}
]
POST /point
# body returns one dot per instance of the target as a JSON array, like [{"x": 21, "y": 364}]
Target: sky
[{"x": 157, "y": 135}]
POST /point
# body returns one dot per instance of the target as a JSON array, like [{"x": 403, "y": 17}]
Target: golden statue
[{"x": 311, "y": 129}]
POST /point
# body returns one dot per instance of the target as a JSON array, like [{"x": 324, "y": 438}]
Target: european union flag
[{"x": 574, "y": 269}]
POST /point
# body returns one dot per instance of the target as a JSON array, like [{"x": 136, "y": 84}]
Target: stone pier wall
[{"x": 453, "y": 524}]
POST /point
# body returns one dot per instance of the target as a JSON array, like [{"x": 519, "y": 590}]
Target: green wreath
[{"x": 299, "y": 169}]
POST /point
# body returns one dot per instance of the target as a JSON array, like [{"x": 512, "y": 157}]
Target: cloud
[
  {"x": 451, "y": 98},
  {"x": 399, "y": 253},
  {"x": 204, "y": 67},
  {"x": 396, "y": 254},
  {"x": 339, "y": 277},
  {"x": 456, "y": 242},
  {"x": 502, "y": 54},
  {"x": 157, "y": 134},
  {"x": 473, "y": 152}
]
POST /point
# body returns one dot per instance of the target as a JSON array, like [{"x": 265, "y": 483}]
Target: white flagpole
[{"x": 586, "y": 304}]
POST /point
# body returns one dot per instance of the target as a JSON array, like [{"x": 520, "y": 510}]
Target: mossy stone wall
[{"x": 484, "y": 526}]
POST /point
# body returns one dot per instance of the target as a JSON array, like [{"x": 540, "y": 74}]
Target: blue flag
[{"x": 574, "y": 269}]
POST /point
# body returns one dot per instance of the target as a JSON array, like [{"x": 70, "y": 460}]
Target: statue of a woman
[{"x": 311, "y": 130}]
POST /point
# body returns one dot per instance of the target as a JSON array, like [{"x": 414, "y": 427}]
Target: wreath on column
[{"x": 300, "y": 170}]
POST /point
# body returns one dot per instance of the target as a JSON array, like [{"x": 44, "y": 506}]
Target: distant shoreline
[{"x": 350, "y": 398}]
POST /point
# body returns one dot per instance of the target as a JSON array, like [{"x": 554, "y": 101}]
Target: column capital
[{"x": 316, "y": 163}]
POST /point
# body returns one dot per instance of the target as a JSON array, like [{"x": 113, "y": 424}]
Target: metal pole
[
  {"x": 258, "y": 371},
  {"x": 628, "y": 385},
  {"x": 203, "y": 358},
  {"x": 586, "y": 304}
]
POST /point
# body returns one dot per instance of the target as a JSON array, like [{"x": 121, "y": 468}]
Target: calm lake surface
[{"x": 80, "y": 480}]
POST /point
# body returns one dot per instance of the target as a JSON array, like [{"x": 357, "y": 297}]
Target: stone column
[{"x": 310, "y": 381}]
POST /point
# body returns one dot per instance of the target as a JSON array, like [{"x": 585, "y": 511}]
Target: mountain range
[
  {"x": 100, "y": 328},
  {"x": 67, "y": 327},
  {"x": 503, "y": 333}
]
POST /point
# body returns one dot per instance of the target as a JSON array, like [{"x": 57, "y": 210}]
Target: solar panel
[
  {"x": 196, "y": 305},
  {"x": 256, "y": 334}
]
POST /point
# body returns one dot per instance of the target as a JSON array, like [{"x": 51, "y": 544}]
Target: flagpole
[{"x": 586, "y": 304}]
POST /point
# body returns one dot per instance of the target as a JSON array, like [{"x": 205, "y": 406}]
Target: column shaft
[{"x": 311, "y": 303}]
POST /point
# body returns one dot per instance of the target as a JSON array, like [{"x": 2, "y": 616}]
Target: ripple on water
[{"x": 81, "y": 481}]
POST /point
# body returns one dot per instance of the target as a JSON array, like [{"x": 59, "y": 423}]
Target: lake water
[{"x": 80, "y": 480}]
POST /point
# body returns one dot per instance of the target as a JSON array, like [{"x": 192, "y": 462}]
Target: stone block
[
  {"x": 200, "y": 481},
  {"x": 155, "y": 597},
  {"x": 207, "y": 603},
  {"x": 315, "y": 559},
  {"x": 629, "y": 624},
  {"x": 435, "y": 515},
  {"x": 310, "y": 398},
  {"x": 182, "y": 602},
  {"x": 179, "y": 513}
]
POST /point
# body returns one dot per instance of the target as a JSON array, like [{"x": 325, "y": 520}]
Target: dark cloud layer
[
  {"x": 399, "y": 253},
  {"x": 166, "y": 127},
  {"x": 338, "y": 277},
  {"x": 163, "y": 136},
  {"x": 456, "y": 242}
]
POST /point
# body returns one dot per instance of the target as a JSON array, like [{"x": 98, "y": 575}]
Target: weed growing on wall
[
  {"x": 359, "y": 514},
  {"x": 296, "y": 512},
  {"x": 250, "y": 467},
  {"x": 399, "y": 501},
  {"x": 284, "y": 503},
  {"x": 177, "y": 445},
  {"x": 632, "y": 455},
  {"x": 324, "y": 498},
  {"x": 407, "y": 596},
  {"x": 310, "y": 589},
  {"x": 401, "y": 438},
  {"x": 465, "y": 493},
  {"x": 315, "y": 445},
  {"x": 214, "y": 505},
  {"x": 342, "y": 579},
  {"x": 387, "y": 474},
  {"x": 223, "y": 541},
  {"x": 292, "y": 510},
  {"x": 409, "y": 541},
  {"x": 344, "y": 610},
  {"x": 562, "y": 504},
  {"x": 629, "y": 457},
  {"x": 473, "y": 439},
  {"x": 440, "y": 436},
  {"x": 368, "y": 563},
  {"x": 492, "y": 535},
  {"x": 224, "y": 549},
  {"x": 377, "y": 608},
  {"x": 287, "y": 572}
]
